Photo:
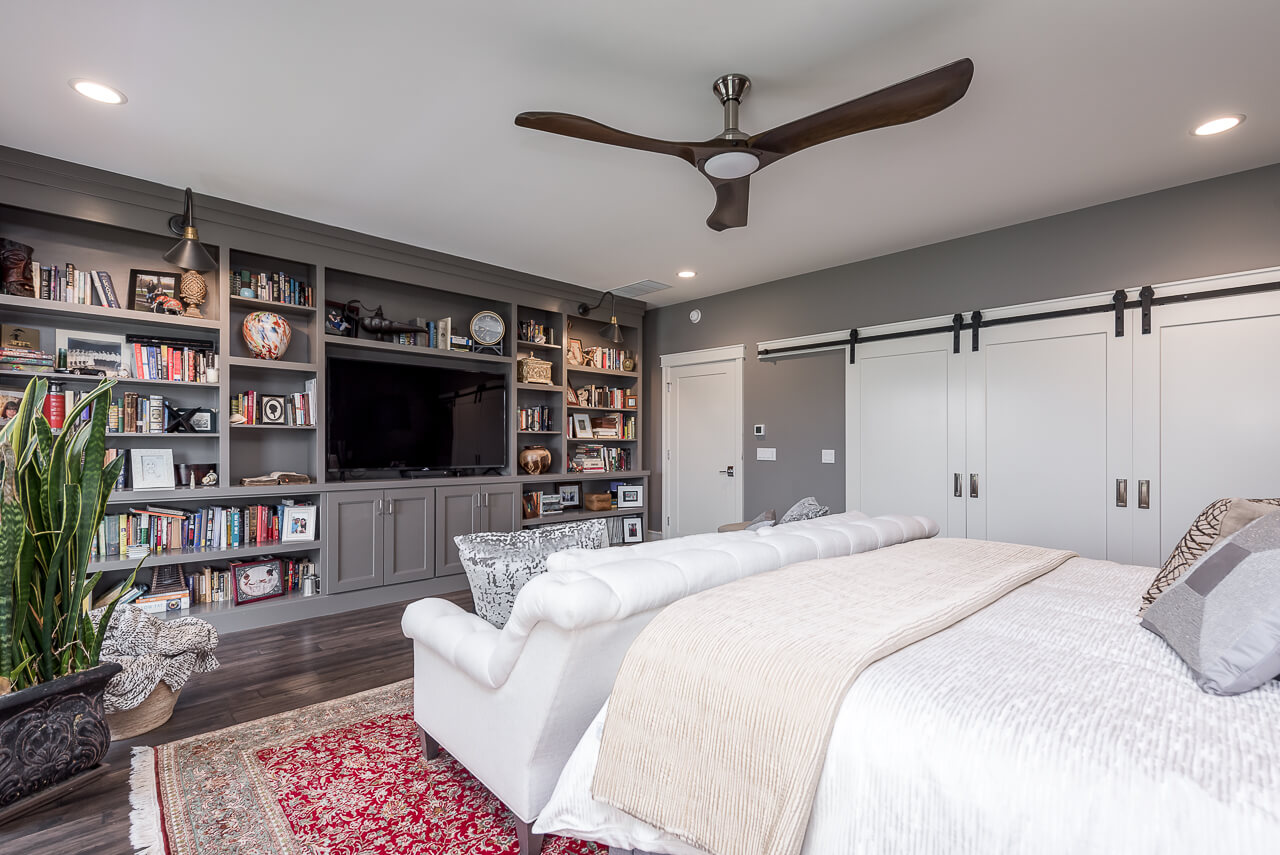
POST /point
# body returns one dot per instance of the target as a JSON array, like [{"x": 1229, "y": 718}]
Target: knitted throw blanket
[
  {"x": 719, "y": 720},
  {"x": 152, "y": 649}
]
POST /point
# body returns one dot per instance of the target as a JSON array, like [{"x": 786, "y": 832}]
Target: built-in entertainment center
[{"x": 402, "y": 441}]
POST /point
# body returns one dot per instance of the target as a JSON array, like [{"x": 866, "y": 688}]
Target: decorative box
[
  {"x": 597, "y": 501},
  {"x": 534, "y": 370}
]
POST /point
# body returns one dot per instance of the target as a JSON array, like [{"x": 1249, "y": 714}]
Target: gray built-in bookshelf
[{"x": 377, "y": 541}]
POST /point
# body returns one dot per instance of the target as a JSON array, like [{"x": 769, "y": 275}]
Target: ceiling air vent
[{"x": 639, "y": 289}]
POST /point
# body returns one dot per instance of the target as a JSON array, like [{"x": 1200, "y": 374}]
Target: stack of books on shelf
[
  {"x": 533, "y": 332},
  {"x": 274, "y": 287},
  {"x": 187, "y": 360},
  {"x": 594, "y": 457},
  {"x": 66, "y": 284},
  {"x": 603, "y": 396},
  {"x": 21, "y": 359},
  {"x": 605, "y": 357},
  {"x": 438, "y": 335},
  {"x": 158, "y": 529},
  {"x": 295, "y": 410},
  {"x": 132, "y": 413},
  {"x": 534, "y": 418}
]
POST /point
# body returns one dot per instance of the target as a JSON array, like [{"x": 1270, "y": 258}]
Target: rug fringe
[{"x": 145, "y": 834}]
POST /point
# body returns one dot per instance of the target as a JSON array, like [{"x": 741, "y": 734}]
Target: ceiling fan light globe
[{"x": 731, "y": 164}]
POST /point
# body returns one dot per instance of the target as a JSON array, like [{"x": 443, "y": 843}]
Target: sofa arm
[{"x": 462, "y": 639}]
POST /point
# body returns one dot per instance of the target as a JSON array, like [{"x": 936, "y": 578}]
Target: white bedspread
[{"x": 1049, "y": 722}]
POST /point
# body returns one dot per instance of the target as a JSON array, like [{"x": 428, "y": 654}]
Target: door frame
[{"x": 736, "y": 354}]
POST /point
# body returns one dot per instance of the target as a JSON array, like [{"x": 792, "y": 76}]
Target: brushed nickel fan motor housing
[{"x": 730, "y": 89}]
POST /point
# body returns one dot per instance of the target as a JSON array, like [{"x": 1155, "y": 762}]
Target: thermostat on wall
[{"x": 759, "y": 430}]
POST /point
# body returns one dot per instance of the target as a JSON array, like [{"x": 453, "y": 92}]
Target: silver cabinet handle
[
  {"x": 957, "y": 485},
  {"x": 1122, "y": 492},
  {"x": 485, "y": 501},
  {"x": 391, "y": 506},
  {"x": 377, "y": 508},
  {"x": 475, "y": 500},
  {"x": 1144, "y": 495},
  {"x": 973, "y": 486}
]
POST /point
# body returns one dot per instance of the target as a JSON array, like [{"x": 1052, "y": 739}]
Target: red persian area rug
[{"x": 345, "y": 777}]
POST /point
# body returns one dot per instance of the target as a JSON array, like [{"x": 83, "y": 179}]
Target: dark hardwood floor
[{"x": 263, "y": 672}]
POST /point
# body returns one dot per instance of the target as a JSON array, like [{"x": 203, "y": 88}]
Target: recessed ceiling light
[
  {"x": 686, "y": 274},
  {"x": 97, "y": 91},
  {"x": 1218, "y": 125}
]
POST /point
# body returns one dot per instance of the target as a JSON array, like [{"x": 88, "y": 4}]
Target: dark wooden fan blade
[
  {"x": 586, "y": 129},
  {"x": 898, "y": 104},
  {"x": 731, "y": 203}
]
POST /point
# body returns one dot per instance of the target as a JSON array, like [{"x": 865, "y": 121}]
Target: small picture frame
[
  {"x": 91, "y": 352},
  {"x": 570, "y": 397},
  {"x": 10, "y": 401},
  {"x": 147, "y": 287},
  {"x": 152, "y": 468},
  {"x": 573, "y": 352},
  {"x": 299, "y": 523},
  {"x": 632, "y": 530},
  {"x": 631, "y": 496},
  {"x": 630, "y": 401},
  {"x": 581, "y": 426},
  {"x": 570, "y": 495},
  {"x": 273, "y": 409},
  {"x": 256, "y": 580},
  {"x": 204, "y": 420},
  {"x": 338, "y": 320}
]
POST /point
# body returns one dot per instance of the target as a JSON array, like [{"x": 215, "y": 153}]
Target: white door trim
[{"x": 730, "y": 353}]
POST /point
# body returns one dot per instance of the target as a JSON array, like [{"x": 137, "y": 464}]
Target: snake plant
[{"x": 54, "y": 495}]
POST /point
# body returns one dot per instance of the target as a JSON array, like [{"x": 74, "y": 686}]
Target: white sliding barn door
[
  {"x": 905, "y": 414},
  {"x": 1207, "y": 408},
  {"x": 1048, "y": 433}
]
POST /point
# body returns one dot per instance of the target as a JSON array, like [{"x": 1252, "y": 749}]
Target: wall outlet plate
[
  {"x": 828, "y": 455},
  {"x": 759, "y": 430},
  {"x": 766, "y": 454}
]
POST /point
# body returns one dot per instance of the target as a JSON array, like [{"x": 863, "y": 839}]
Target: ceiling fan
[{"x": 729, "y": 160}]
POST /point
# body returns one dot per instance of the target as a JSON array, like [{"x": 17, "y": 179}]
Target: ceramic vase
[
  {"x": 267, "y": 334},
  {"x": 535, "y": 459}
]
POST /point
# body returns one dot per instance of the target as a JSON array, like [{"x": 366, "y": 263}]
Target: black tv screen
[{"x": 418, "y": 419}]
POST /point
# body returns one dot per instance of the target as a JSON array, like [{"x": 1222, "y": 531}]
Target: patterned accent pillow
[
  {"x": 1195, "y": 543},
  {"x": 805, "y": 509},
  {"x": 499, "y": 563},
  {"x": 1220, "y": 617}
]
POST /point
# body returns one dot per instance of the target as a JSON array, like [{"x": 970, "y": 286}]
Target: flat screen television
[{"x": 387, "y": 419}]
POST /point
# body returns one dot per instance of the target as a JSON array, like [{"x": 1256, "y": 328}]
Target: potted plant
[{"x": 54, "y": 495}]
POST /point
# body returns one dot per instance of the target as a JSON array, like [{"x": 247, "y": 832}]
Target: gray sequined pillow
[
  {"x": 499, "y": 563},
  {"x": 805, "y": 509},
  {"x": 1223, "y": 616}
]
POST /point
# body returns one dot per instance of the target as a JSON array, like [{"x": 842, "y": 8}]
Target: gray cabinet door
[
  {"x": 408, "y": 552},
  {"x": 352, "y": 541},
  {"x": 457, "y": 512},
  {"x": 500, "y": 504}
]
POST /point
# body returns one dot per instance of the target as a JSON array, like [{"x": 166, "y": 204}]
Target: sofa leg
[
  {"x": 530, "y": 843},
  {"x": 430, "y": 748}
]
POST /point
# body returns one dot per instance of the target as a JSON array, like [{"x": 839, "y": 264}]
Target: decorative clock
[{"x": 487, "y": 330}]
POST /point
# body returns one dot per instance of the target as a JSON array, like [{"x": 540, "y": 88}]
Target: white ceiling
[{"x": 395, "y": 118}]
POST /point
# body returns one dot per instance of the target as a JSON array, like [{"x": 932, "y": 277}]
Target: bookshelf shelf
[
  {"x": 541, "y": 345},
  {"x": 274, "y": 427},
  {"x": 604, "y": 409},
  {"x": 541, "y": 432},
  {"x": 571, "y": 516},
  {"x": 191, "y": 556},
  {"x": 340, "y": 342},
  {"x": 271, "y": 364},
  {"x": 600, "y": 440},
  {"x": 254, "y": 304},
  {"x": 539, "y": 387},
  {"x": 201, "y": 494},
  {"x": 605, "y": 372},
  {"x": 162, "y": 436},
  {"x": 90, "y": 380},
  {"x": 35, "y": 307}
]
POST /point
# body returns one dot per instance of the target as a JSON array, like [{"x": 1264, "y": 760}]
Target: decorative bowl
[
  {"x": 535, "y": 459},
  {"x": 267, "y": 334}
]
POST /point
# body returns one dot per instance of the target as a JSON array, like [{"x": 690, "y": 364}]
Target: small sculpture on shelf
[
  {"x": 193, "y": 290},
  {"x": 161, "y": 303},
  {"x": 15, "y": 260},
  {"x": 382, "y": 328},
  {"x": 535, "y": 459},
  {"x": 267, "y": 334}
]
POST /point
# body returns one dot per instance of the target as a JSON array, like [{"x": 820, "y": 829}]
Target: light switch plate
[
  {"x": 766, "y": 454},
  {"x": 828, "y": 455}
]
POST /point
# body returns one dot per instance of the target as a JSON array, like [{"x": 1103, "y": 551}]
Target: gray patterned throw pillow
[
  {"x": 499, "y": 563},
  {"x": 805, "y": 509},
  {"x": 1223, "y": 616}
]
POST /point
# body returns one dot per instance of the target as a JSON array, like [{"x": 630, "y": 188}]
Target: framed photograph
[
  {"x": 299, "y": 523},
  {"x": 630, "y": 496},
  {"x": 630, "y": 401},
  {"x": 189, "y": 419},
  {"x": 152, "y": 468},
  {"x": 582, "y": 426},
  {"x": 273, "y": 409},
  {"x": 10, "y": 400},
  {"x": 339, "y": 321},
  {"x": 573, "y": 353},
  {"x": 256, "y": 580},
  {"x": 570, "y": 495},
  {"x": 90, "y": 352},
  {"x": 18, "y": 336},
  {"x": 147, "y": 287},
  {"x": 632, "y": 530}
]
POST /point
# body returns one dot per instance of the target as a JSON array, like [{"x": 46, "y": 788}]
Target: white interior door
[
  {"x": 1207, "y": 410},
  {"x": 1048, "y": 434},
  {"x": 905, "y": 419},
  {"x": 702, "y": 439}
]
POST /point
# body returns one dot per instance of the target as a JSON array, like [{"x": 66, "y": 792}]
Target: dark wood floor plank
[{"x": 262, "y": 672}]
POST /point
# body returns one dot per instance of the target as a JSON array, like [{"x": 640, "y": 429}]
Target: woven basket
[
  {"x": 154, "y": 711},
  {"x": 597, "y": 501}
]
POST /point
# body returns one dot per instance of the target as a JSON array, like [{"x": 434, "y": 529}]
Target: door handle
[
  {"x": 475, "y": 500},
  {"x": 377, "y": 508},
  {"x": 1144, "y": 495},
  {"x": 728, "y": 471},
  {"x": 391, "y": 506},
  {"x": 973, "y": 485},
  {"x": 485, "y": 501},
  {"x": 957, "y": 485},
  {"x": 1122, "y": 492}
]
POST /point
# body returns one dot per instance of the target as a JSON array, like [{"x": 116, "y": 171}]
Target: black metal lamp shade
[
  {"x": 612, "y": 331},
  {"x": 188, "y": 253}
]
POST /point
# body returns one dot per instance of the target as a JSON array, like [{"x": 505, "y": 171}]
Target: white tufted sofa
[{"x": 511, "y": 704}]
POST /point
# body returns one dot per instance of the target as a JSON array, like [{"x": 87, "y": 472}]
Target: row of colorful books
[
  {"x": 273, "y": 287},
  {"x": 534, "y": 418},
  {"x": 296, "y": 409},
  {"x": 157, "y": 529},
  {"x": 22, "y": 359},
  {"x": 594, "y": 457},
  {"x": 606, "y": 396},
  {"x": 184, "y": 360},
  {"x": 66, "y": 284}
]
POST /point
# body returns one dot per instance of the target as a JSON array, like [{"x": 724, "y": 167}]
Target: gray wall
[{"x": 1210, "y": 227}]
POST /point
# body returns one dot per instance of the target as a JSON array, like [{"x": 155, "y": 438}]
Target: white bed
[{"x": 1049, "y": 722}]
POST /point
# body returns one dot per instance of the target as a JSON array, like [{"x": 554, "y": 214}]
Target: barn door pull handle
[
  {"x": 1122, "y": 492},
  {"x": 973, "y": 486},
  {"x": 1144, "y": 495},
  {"x": 957, "y": 485}
]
